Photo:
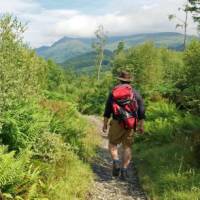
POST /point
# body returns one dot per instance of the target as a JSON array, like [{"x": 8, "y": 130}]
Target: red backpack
[{"x": 125, "y": 106}]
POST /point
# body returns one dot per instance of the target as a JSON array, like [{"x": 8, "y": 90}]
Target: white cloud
[{"x": 45, "y": 26}]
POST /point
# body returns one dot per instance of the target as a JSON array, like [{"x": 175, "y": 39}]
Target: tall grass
[{"x": 165, "y": 156}]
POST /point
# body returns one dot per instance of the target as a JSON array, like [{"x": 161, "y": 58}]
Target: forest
[{"x": 46, "y": 141}]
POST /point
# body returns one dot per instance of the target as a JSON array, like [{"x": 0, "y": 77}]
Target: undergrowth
[
  {"x": 49, "y": 144},
  {"x": 165, "y": 156}
]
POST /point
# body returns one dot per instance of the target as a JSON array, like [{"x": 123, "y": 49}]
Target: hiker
[{"x": 128, "y": 114}]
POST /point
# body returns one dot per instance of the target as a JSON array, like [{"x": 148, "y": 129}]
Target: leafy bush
[
  {"x": 160, "y": 126},
  {"x": 12, "y": 170},
  {"x": 46, "y": 135},
  {"x": 49, "y": 147},
  {"x": 161, "y": 109},
  {"x": 69, "y": 178},
  {"x": 92, "y": 94},
  {"x": 22, "y": 126},
  {"x": 67, "y": 122},
  {"x": 23, "y": 73},
  {"x": 165, "y": 172},
  {"x": 167, "y": 156},
  {"x": 192, "y": 91},
  {"x": 18, "y": 178}
]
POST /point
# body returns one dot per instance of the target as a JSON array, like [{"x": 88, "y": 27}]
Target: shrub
[
  {"x": 73, "y": 128},
  {"x": 22, "y": 126},
  {"x": 192, "y": 91},
  {"x": 12, "y": 170},
  {"x": 18, "y": 177},
  {"x": 49, "y": 147}
]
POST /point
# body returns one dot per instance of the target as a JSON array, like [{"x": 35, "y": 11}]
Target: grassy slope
[
  {"x": 87, "y": 60},
  {"x": 164, "y": 173},
  {"x": 71, "y": 177},
  {"x": 167, "y": 168},
  {"x": 56, "y": 167}
]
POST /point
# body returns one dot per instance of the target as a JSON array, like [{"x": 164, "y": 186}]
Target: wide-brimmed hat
[{"x": 125, "y": 76}]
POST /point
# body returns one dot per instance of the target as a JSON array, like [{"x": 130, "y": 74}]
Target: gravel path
[{"x": 106, "y": 187}]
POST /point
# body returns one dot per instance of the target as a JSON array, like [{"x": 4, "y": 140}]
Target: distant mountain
[
  {"x": 73, "y": 48},
  {"x": 65, "y": 48},
  {"x": 82, "y": 61}
]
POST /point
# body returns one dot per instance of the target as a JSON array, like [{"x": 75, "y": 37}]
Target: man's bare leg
[
  {"x": 127, "y": 155},
  {"x": 126, "y": 158},
  {"x": 116, "y": 164},
  {"x": 113, "y": 151}
]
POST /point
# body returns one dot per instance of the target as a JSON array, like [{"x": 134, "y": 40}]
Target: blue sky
[{"x": 49, "y": 20}]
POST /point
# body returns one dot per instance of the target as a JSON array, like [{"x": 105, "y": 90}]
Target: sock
[
  {"x": 116, "y": 161},
  {"x": 124, "y": 169}
]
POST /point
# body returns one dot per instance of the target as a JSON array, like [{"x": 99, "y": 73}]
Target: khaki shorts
[{"x": 118, "y": 134}]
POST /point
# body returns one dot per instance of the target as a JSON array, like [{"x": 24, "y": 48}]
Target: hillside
[
  {"x": 64, "y": 49},
  {"x": 86, "y": 61},
  {"x": 67, "y": 48}
]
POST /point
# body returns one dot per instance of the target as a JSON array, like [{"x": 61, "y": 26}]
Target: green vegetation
[
  {"x": 166, "y": 156},
  {"x": 44, "y": 141},
  {"x": 86, "y": 62}
]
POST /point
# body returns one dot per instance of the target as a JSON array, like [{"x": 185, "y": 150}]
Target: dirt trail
[{"x": 106, "y": 187}]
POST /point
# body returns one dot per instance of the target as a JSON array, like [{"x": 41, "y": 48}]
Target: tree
[
  {"x": 120, "y": 47},
  {"x": 182, "y": 23},
  {"x": 21, "y": 74},
  {"x": 192, "y": 62},
  {"x": 99, "y": 46},
  {"x": 195, "y": 9},
  {"x": 143, "y": 62}
]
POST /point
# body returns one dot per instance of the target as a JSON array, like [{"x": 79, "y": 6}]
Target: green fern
[{"x": 12, "y": 170}]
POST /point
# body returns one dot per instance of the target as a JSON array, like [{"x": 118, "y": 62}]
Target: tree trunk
[
  {"x": 100, "y": 65},
  {"x": 185, "y": 29}
]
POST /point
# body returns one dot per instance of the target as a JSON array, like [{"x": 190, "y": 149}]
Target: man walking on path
[{"x": 128, "y": 113}]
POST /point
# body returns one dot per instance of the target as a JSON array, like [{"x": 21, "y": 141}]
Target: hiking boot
[
  {"x": 124, "y": 174},
  {"x": 116, "y": 168}
]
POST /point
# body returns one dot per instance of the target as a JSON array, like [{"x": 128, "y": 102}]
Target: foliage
[
  {"x": 192, "y": 91},
  {"x": 69, "y": 178},
  {"x": 92, "y": 94},
  {"x": 14, "y": 172},
  {"x": 165, "y": 171},
  {"x": 22, "y": 126},
  {"x": 165, "y": 156},
  {"x": 40, "y": 119},
  {"x": 21, "y": 74},
  {"x": 49, "y": 147},
  {"x": 82, "y": 62},
  {"x": 195, "y": 9},
  {"x": 182, "y": 23},
  {"x": 56, "y": 78},
  {"x": 145, "y": 64},
  {"x": 46, "y": 135},
  {"x": 73, "y": 128}
]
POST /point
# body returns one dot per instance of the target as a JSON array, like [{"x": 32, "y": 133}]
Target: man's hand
[{"x": 105, "y": 125}]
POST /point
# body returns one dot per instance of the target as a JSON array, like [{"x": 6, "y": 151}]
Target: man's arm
[
  {"x": 141, "y": 112},
  {"x": 105, "y": 124}
]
